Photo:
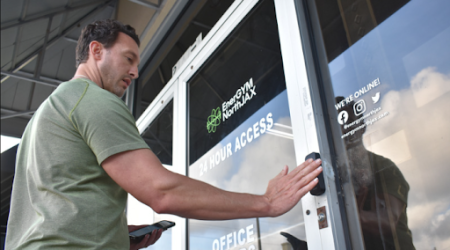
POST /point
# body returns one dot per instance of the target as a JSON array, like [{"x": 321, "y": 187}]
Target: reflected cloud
[
  {"x": 249, "y": 170},
  {"x": 428, "y": 85},
  {"x": 398, "y": 154},
  {"x": 262, "y": 161},
  {"x": 419, "y": 117}
]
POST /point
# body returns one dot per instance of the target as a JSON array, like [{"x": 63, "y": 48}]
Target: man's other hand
[
  {"x": 286, "y": 189},
  {"x": 147, "y": 240}
]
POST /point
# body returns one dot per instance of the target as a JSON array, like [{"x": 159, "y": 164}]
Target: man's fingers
[
  {"x": 305, "y": 168},
  {"x": 158, "y": 235},
  {"x": 307, "y": 182},
  {"x": 303, "y": 165},
  {"x": 150, "y": 239},
  {"x": 143, "y": 242},
  {"x": 284, "y": 171},
  {"x": 305, "y": 189},
  {"x": 308, "y": 164}
]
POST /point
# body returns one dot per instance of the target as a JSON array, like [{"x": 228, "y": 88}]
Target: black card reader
[{"x": 320, "y": 187}]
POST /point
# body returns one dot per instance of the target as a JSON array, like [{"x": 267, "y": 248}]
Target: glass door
[
  {"x": 385, "y": 66},
  {"x": 240, "y": 132}
]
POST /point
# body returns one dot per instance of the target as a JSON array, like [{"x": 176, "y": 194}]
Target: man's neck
[{"x": 86, "y": 72}]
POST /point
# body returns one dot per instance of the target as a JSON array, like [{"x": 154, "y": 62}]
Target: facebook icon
[{"x": 342, "y": 117}]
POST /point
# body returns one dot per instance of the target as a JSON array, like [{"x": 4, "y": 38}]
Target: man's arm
[
  {"x": 141, "y": 174},
  {"x": 375, "y": 218}
]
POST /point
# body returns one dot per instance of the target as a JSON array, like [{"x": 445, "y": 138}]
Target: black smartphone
[
  {"x": 319, "y": 189},
  {"x": 139, "y": 234}
]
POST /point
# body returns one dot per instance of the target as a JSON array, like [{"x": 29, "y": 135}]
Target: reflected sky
[
  {"x": 410, "y": 53},
  {"x": 415, "y": 37},
  {"x": 249, "y": 169},
  {"x": 417, "y": 140}
]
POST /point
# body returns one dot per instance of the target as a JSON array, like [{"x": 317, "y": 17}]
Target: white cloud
[
  {"x": 421, "y": 115},
  {"x": 428, "y": 85},
  {"x": 258, "y": 162}
]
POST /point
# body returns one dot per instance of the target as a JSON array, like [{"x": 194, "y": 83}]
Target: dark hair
[{"x": 103, "y": 31}]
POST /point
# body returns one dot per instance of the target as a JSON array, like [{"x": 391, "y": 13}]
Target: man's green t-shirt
[{"x": 62, "y": 198}]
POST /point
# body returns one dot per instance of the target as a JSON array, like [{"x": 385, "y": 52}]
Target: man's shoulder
[
  {"x": 90, "y": 99},
  {"x": 69, "y": 91},
  {"x": 83, "y": 90},
  {"x": 74, "y": 86}
]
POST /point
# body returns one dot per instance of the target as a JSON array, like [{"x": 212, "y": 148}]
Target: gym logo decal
[
  {"x": 213, "y": 120},
  {"x": 240, "y": 98}
]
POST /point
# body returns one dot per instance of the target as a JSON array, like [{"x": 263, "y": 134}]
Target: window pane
[
  {"x": 158, "y": 135},
  {"x": 390, "y": 72}
]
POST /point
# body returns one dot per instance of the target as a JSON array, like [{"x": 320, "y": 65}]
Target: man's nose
[{"x": 134, "y": 72}]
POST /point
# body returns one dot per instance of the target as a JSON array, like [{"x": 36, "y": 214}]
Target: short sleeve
[
  {"x": 392, "y": 178},
  {"x": 105, "y": 123}
]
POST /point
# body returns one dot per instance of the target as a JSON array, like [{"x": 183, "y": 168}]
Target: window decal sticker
[{"x": 214, "y": 120}]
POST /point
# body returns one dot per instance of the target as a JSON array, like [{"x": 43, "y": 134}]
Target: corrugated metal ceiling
[{"x": 38, "y": 40}]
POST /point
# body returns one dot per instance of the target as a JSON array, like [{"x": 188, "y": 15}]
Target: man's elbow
[
  {"x": 164, "y": 195},
  {"x": 161, "y": 204},
  {"x": 160, "y": 209}
]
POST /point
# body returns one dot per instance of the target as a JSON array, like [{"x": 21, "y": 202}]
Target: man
[
  {"x": 381, "y": 191},
  {"x": 81, "y": 153}
]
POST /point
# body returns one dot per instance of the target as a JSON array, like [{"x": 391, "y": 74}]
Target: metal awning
[{"x": 38, "y": 41}]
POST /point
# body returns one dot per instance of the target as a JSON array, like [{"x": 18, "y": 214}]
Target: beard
[
  {"x": 110, "y": 80},
  {"x": 360, "y": 167}
]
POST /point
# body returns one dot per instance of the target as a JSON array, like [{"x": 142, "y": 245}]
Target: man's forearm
[{"x": 195, "y": 199}]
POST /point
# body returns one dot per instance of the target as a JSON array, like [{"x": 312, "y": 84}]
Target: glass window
[
  {"x": 240, "y": 133},
  {"x": 390, "y": 72},
  {"x": 199, "y": 20},
  {"x": 158, "y": 135}
]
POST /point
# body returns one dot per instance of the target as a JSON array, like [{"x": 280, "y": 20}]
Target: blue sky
[{"x": 416, "y": 37}]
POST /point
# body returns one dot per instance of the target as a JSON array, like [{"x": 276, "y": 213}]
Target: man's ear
[{"x": 96, "y": 50}]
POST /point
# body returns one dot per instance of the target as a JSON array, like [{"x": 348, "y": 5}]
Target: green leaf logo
[{"x": 214, "y": 120}]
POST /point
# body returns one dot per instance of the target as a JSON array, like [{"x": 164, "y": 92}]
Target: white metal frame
[{"x": 303, "y": 122}]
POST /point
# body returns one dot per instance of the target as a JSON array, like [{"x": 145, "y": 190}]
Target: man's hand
[
  {"x": 147, "y": 240},
  {"x": 286, "y": 189}
]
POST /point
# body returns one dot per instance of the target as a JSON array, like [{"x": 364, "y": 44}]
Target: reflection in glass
[
  {"x": 158, "y": 135},
  {"x": 199, "y": 18},
  {"x": 240, "y": 133},
  {"x": 394, "y": 77},
  {"x": 241, "y": 76},
  {"x": 381, "y": 190}
]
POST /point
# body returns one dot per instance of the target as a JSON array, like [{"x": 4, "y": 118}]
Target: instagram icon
[{"x": 359, "y": 107}]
